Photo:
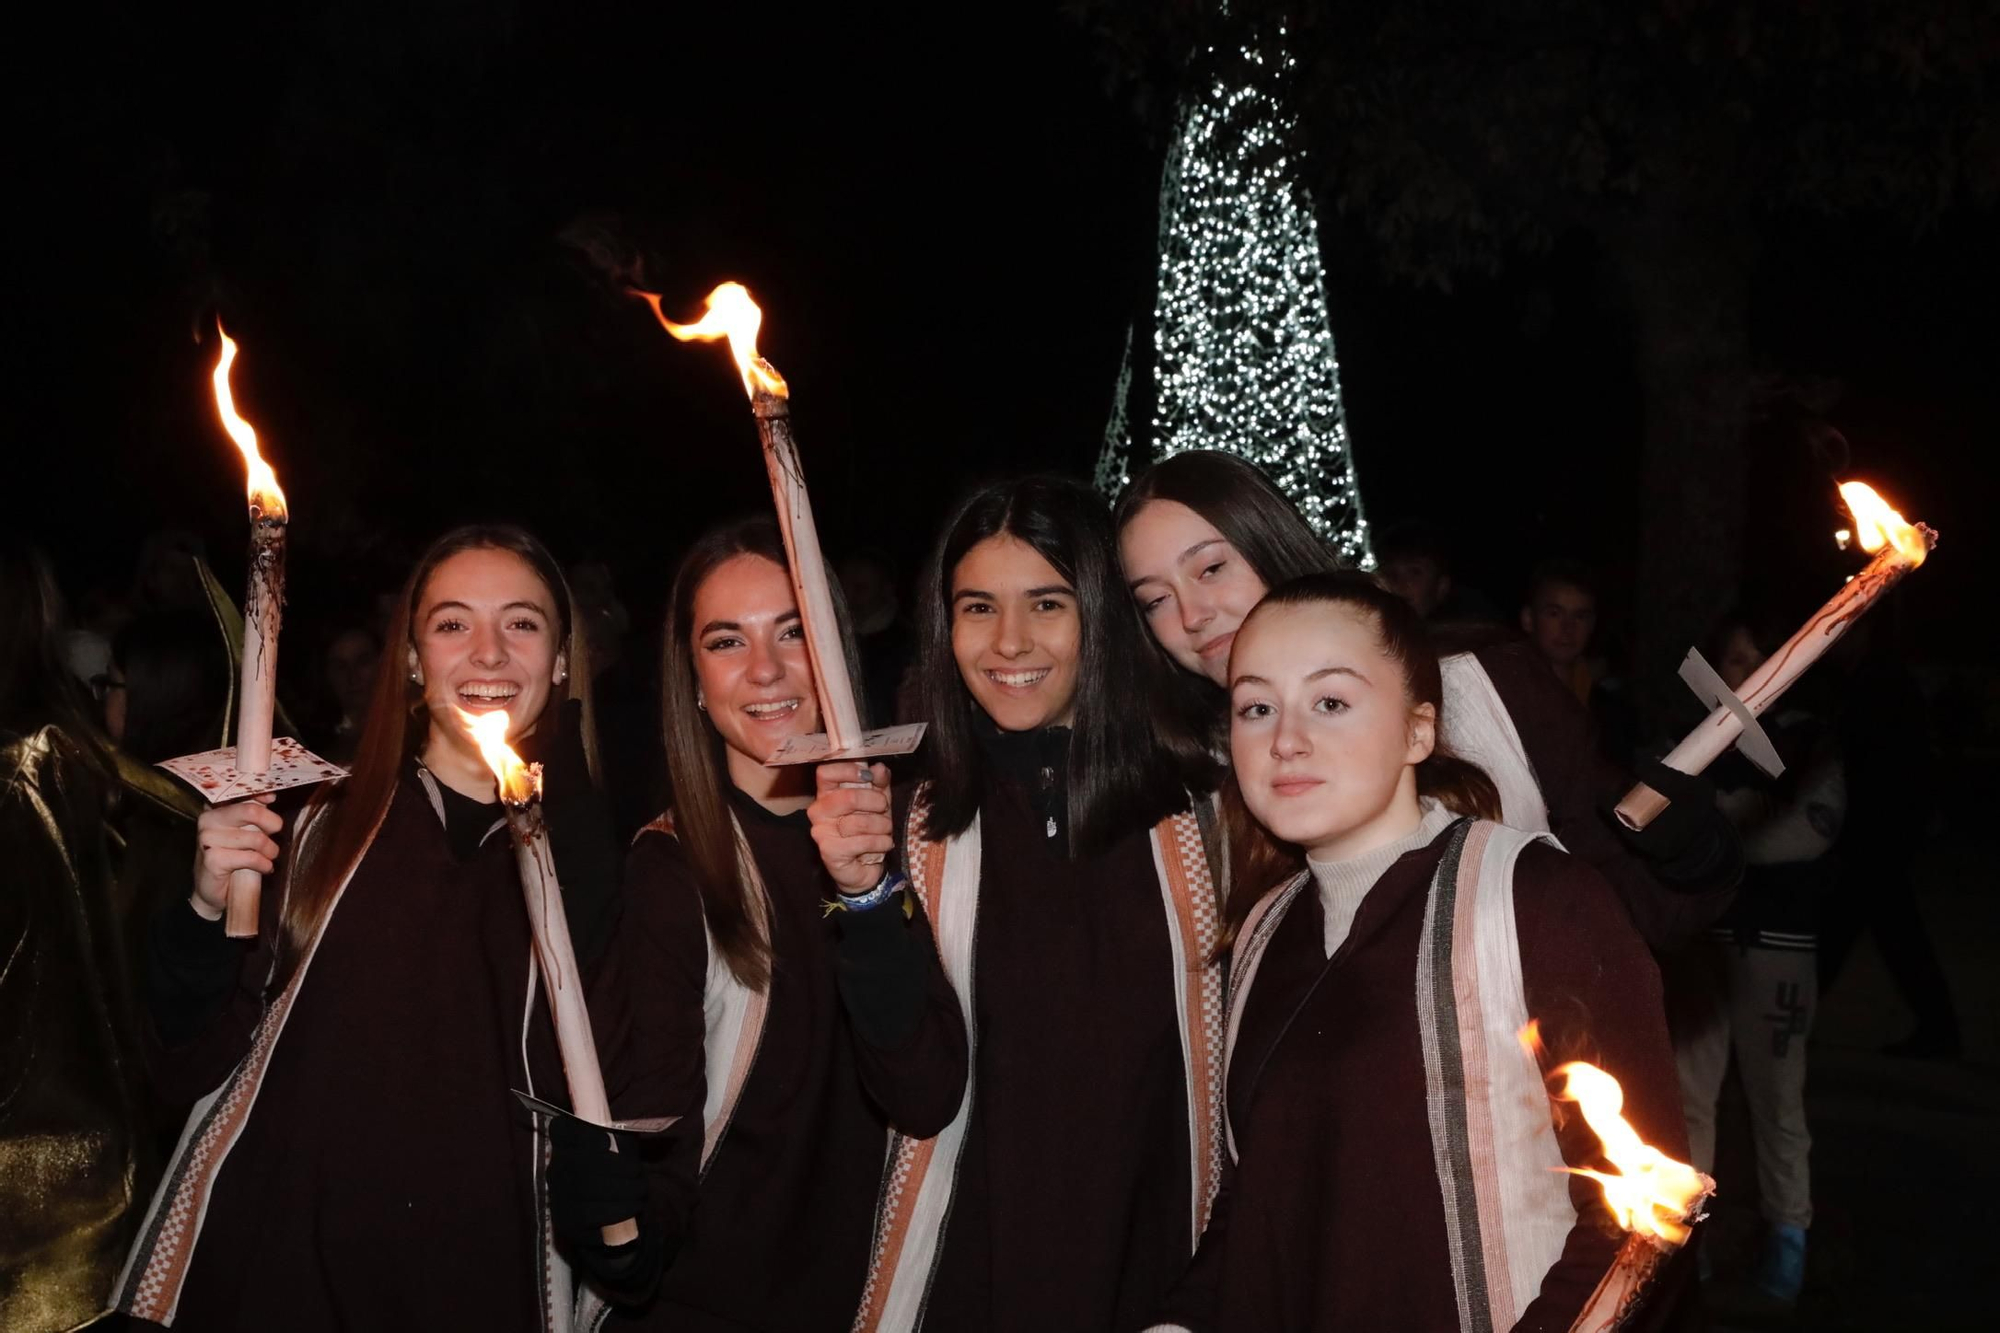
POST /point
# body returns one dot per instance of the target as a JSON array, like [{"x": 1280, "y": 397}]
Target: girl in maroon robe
[
  {"x": 355, "y": 1157},
  {"x": 788, "y": 1036},
  {"x": 1395, "y": 1162},
  {"x": 1056, "y": 852}
]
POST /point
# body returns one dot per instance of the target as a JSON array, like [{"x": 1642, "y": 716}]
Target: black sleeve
[
  {"x": 911, "y": 1051},
  {"x": 191, "y": 968},
  {"x": 880, "y": 967},
  {"x": 646, "y": 1013},
  {"x": 1588, "y": 978},
  {"x": 1576, "y": 783}
]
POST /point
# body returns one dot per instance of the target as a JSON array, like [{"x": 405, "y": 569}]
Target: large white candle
[
  {"x": 263, "y": 609},
  {"x": 1901, "y": 548},
  {"x": 521, "y": 797},
  {"x": 731, "y": 314}
]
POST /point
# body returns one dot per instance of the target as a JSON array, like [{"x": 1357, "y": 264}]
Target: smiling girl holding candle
[
  {"x": 1394, "y": 1163},
  {"x": 356, "y": 1158},
  {"x": 790, "y": 1036},
  {"x": 1054, "y": 847}
]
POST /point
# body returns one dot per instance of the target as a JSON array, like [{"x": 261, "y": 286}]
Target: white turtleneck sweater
[{"x": 1343, "y": 884}]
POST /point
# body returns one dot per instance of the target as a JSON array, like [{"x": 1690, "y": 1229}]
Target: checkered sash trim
[
  {"x": 156, "y": 1270},
  {"x": 914, "y": 1200},
  {"x": 1251, "y": 941},
  {"x": 1193, "y": 924}
]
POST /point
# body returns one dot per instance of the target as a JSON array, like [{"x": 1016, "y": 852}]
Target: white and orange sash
[
  {"x": 156, "y": 1270},
  {"x": 920, "y": 1175},
  {"x": 1493, "y": 1142}
]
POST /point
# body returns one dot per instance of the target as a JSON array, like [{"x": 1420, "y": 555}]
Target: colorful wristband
[{"x": 892, "y": 883}]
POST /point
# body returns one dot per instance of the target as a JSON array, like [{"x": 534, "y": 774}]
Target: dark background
[{"x": 404, "y": 212}]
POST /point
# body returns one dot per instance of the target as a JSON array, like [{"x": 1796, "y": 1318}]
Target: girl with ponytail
[{"x": 1393, "y": 1159}]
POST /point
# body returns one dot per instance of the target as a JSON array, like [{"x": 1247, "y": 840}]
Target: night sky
[{"x": 417, "y": 218}]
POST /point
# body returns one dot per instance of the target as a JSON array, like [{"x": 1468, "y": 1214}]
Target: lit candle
[
  {"x": 1900, "y": 547},
  {"x": 521, "y": 798},
  {"x": 1654, "y": 1199},
  {"x": 733, "y": 315},
  {"x": 263, "y": 607}
]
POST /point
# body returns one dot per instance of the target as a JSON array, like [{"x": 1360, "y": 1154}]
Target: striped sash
[
  {"x": 1493, "y": 1143},
  {"x": 920, "y": 1175},
  {"x": 156, "y": 1271}
]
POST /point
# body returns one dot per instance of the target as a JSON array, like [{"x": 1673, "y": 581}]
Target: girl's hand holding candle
[
  {"x": 232, "y": 839},
  {"x": 851, "y": 823}
]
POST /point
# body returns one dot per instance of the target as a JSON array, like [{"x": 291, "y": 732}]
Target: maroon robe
[
  {"x": 861, "y": 1032},
  {"x": 1332, "y": 1216}
]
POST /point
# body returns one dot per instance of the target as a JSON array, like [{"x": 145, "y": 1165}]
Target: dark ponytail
[{"x": 1257, "y": 861}]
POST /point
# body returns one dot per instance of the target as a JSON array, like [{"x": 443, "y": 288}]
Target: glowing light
[
  {"x": 265, "y": 496},
  {"x": 729, "y": 313},
  {"x": 1880, "y": 526},
  {"x": 518, "y": 782},
  {"x": 1843, "y": 538},
  {"x": 1243, "y": 344},
  {"x": 1647, "y": 1191}
]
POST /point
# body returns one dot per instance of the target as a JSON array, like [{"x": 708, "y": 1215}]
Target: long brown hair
[
  {"x": 1137, "y": 748},
  {"x": 337, "y": 825},
  {"x": 701, "y": 818},
  {"x": 1257, "y": 861}
]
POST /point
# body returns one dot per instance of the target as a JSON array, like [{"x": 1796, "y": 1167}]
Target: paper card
[
  {"x": 649, "y": 1125},
  {"x": 1755, "y": 743},
  {"x": 818, "y": 747},
  {"x": 213, "y": 773}
]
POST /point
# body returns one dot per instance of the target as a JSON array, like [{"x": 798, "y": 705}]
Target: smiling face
[
  {"x": 751, "y": 664},
  {"x": 1322, "y": 732},
  {"x": 1016, "y": 634},
  {"x": 486, "y": 638},
  {"x": 1193, "y": 587}
]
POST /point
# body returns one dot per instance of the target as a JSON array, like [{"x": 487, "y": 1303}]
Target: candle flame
[
  {"x": 1647, "y": 1191},
  {"x": 1877, "y": 525},
  {"x": 265, "y": 497},
  {"x": 731, "y": 314},
  {"x": 519, "y": 783}
]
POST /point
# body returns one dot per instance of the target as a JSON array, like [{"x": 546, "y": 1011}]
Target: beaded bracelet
[{"x": 892, "y": 883}]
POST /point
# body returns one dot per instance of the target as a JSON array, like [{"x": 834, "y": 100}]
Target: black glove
[
  {"x": 591, "y": 1187},
  {"x": 588, "y": 858},
  {"x": 1689, "y": 845}
]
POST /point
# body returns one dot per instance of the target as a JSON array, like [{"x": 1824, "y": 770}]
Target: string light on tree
[
  {"x": 1243, "y": 345},
  {"x": 1114, "y": 461}
]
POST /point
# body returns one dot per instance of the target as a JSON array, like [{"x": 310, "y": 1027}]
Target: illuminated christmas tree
[
  {"x": 1114, "y": 460},
  {"x": 1243, "y": 351}
]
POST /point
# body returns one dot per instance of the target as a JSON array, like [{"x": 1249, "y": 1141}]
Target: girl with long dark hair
[
  {"x": 356, "y": 1158},
  {"x": 1203, "y": 535},
  {"x": 787, "y": 1000},
  {"x": 1055, "y": 847},
  {"x": 1394, "y": 1159}
]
